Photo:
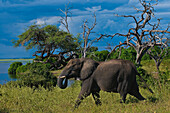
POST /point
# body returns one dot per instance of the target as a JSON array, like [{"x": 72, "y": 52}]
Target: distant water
[
  {"x": 5, "y": 77},
  {"x": 4, "y": 65}
]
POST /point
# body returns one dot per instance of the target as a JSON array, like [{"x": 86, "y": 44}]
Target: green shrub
[
  {"x": 13, "y": 67},
  {"x": 37, "y": 74},
  {"x": 164, "y": 76},
  {"x": 99, "y": 55},
  {"x": 126, "y": 54},
  {"x": 146, "y": 57},
  {"x": 147, "y": 77},
  {"x": 22, "y": 69},
  {"x": 160, "y": 79}
]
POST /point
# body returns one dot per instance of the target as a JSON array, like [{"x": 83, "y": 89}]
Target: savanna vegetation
[
  {"x": 36, "y": 90},
  {"x": 14, "y": 98}
]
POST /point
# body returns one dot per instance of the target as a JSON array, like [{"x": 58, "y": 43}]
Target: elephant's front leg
[{"x": 85, "y": 91}]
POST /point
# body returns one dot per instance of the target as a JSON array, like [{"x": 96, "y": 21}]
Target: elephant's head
[{"x": 76, "y": 68}]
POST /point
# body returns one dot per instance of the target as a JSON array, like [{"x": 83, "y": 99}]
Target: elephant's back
[{"x": 110, "y": 73}]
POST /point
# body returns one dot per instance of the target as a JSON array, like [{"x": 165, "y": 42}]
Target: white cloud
[
  {"x": 109, "y": 24},
  {"x": 46, "y": 20},
  {"x": 94, "y": 9},
  {"x": 39, "y": 22}
]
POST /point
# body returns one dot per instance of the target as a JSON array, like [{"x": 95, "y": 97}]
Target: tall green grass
[
  {"x": 27, "y": 100},
  {"x": 15, "y": 99}
]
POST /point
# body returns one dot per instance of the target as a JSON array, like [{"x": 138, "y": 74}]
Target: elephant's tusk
[{"x": 62, "y": 77}]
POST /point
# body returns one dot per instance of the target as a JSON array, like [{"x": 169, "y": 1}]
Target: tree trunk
[
  {"x": 84, "y": 53},
  {"x": 138, "y": 55},
  {"x": 157, "y": 65},
  {"x": 85, "y": 49},
  {"x": 120, "y": 52},
  {"x": 140, "y": 51}
]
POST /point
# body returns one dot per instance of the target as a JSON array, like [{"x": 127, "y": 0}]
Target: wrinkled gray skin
[{"x": 112, "y": 76}]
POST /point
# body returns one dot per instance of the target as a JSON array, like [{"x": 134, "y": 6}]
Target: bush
[
  {"x": 37, "y": 74},
  {"x": 13, "y": 67},
  {"x": 164, "y": 76},
  {"x": 126, "y": 54},
  {"x": 22, "y": 69},
  {"x": 146, "y": 57},
  {"x": 99, "y": 55},
  {"x": 158, "y": 80},
  {"x": 147, "y": 77}
]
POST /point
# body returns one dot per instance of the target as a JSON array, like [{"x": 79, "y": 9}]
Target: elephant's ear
[{"x": 88, "y": 68}]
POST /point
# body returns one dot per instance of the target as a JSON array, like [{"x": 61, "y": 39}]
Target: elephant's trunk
[{"x": 61, "y": 84}]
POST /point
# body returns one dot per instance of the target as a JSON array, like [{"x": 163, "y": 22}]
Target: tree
[
  {"x": 64, "y": 19},
  {"x": 86, "y": 29},
  {"x": 158, "y": 53},
  {"x": 145, "y": 34},
  {"x": 46, "y": 40},
  {"x": 86, "y": 33}
]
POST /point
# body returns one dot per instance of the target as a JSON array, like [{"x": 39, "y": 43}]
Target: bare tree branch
[
  {"x": 140, "y": 37},
  {"x": 86, "y": 32},
  {"x": 64, "y": 20}
]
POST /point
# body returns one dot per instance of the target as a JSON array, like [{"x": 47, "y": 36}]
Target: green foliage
[
  {"x": 99, "y": 55},
  {"x": 168, "y": 55},
  {"x": 126, "y": 54},
  {"x": 164, "y": 76},
  {"x": 13, "y": 67},
  {"x": 92, "y": 49},
  {"x": 46, "y": 39},
  {"x": 22, "y": 69},
  {"x": 147, "y": 77},
  {"x": 37, "y": 74},
  {"x": 159, "y": 79},
  {"x": 146, "y": 57}
]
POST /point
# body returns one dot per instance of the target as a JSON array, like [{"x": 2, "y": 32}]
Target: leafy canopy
[{"x": 46, "y": 39}]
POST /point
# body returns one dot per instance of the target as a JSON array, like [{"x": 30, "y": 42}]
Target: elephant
[{"x": 115, "y": 75}]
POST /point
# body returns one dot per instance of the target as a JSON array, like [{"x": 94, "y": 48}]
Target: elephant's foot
[
  {"x": 98, "y": 102},
  {"x": 123, "y": 98},
  {"x": 77, "y": 104}
]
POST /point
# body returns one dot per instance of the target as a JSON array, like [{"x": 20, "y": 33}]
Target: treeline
[
  {"x": 38, "y": 73},
  {"x": 123, "y": 53}
]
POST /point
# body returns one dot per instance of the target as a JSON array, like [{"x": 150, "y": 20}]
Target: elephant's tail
[{"x": 144, "y": 83}]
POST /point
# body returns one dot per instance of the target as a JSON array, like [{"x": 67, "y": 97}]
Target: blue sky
[{"x": 17, "y": 15}]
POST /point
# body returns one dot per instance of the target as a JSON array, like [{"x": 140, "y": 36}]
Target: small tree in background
[{"x": 158, "y": 53}]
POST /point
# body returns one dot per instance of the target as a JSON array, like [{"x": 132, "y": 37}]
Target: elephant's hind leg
[
  {"x": 122, "y": 89},
  {"x": 123, "y": 96},
  {"x": 96, "y": 97}
]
